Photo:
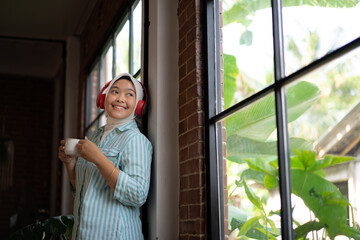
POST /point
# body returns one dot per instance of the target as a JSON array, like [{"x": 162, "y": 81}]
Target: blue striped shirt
[{"x": 99, "y": 212}]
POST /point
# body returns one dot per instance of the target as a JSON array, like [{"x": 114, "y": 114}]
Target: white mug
[{"x": 70, "y": 147}]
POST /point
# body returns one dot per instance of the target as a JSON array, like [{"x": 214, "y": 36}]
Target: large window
[
  {"x": 121, "y": 53},
  {"x": 283, "y": 119}
]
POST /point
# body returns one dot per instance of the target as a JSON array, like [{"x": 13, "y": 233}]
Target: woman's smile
[{"x": 119, "y": 107}]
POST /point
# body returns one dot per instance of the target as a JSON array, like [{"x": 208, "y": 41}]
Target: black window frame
[{"x": 214, "y": 115}]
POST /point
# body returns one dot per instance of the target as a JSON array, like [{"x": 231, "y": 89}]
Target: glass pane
[
  {"x": 324, "y": 129},
  {"x": 107, "y": 64},
  {"x": 313, "y": 28},
  {"x": 122, "y": 49},
  {"x": 102, "y": 120},
  {"x": 94, "y": 91},
  {"x": 137, "y": 16},
  {"x": 247, "y": 48},
  {"x": 251, "y": 179}
]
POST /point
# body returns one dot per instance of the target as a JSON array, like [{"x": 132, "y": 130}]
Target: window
[
  {"x": 282, "y": 125},
  {"x": 121, "y": 53}
]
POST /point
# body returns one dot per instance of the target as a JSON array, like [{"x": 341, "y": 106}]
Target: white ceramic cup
[{"x": 70, "y": 147}]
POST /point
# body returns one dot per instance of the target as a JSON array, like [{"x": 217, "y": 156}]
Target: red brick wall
[
  {"x": 26, "y": 117},
  {"x": 191, "y": 123}
]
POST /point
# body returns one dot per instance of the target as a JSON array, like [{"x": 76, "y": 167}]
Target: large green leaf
[
  {"x": 301, "y": 231},
  {"x": 239, "y": 148},
  {"x": 240, "y": 11},
  {"x": 307, "y": 159},
  {"x": 328, "y": 161},
  {"x": 230, "y": 72},
  {"x": 323, "y": 198},
  {"x": 257, "y": 121}
]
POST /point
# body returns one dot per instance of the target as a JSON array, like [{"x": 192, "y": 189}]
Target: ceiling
[{"x": 32, "y": 34}]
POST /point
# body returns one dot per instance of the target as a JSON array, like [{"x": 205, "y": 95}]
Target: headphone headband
[{"x": 140, "y": 107}]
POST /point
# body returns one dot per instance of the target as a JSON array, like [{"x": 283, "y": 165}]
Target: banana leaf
[
  {"x": 257, "y": 121},
  {"x": 240, "y": 148}
]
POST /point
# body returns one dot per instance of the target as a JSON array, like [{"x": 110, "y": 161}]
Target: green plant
[
  {"x": 321, "y": 196},
  {"x": 59, "y": 227},
  {"x": 248, "y": 142}
]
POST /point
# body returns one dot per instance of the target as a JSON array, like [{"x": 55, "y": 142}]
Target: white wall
[{"x": 163, "y": 201}]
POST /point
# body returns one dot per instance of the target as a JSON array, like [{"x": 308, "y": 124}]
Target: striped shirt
[{"x": 99, "y": 212}]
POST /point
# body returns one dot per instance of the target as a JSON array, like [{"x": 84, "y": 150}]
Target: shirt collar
[
  {"x": 122, "y": 128},
  {"x": 127, "y": 126}
]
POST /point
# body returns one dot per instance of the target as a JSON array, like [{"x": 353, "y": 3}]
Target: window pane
[
  {"x": 107, "y": 64},
  {"x": 251, "y": 180},
  {"x": 247, "y": 48},
  {"x": 94, "y": 91},
  {"x": 314, "y": 28},
  {"x": 137, "y": 17},
  {"x": 324, "y": 116},
  {"x": 122, "y": 49}
]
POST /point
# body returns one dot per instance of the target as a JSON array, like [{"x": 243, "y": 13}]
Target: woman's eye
[
  {"x": 130, "y": 94},
  {"x": 114, "y": 92}
]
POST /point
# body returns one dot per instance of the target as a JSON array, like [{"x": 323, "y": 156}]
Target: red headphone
[{"x": 140, "y": 107}]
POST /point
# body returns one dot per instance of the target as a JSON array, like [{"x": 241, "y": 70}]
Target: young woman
[{"x": 111, "y": 176}]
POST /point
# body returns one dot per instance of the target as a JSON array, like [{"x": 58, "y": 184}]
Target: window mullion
[
  {"x": 214, "y": 166},
  {"x": 113, "y": 43},
  {"x": 281, "y": 123},
  {"x": 100, "y": 76},
  {"x": 131, "y": 41}
]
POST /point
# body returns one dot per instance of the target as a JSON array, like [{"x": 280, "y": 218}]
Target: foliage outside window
[
  {"x": 317, "y": 103},
  {"x": 121, "y": 53}
]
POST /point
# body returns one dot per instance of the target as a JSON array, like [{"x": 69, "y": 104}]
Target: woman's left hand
[{"x": 89, "y": 151}]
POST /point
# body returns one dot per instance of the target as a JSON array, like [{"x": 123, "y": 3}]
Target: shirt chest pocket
[{"x": 113, "y": 155}]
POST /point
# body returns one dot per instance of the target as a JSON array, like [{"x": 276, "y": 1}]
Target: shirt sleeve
[{"x": 132, "y": 186}]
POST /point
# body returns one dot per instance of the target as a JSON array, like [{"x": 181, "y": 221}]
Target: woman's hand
[
  {"x": 62, "y": 156},
  {"x": 69, "y": 162},
  {"x": 89, "y": 151}
]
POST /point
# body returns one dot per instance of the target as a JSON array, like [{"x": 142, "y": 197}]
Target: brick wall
[
  {"x": 191, "y": 123},
  {"x": 26, "y": 117}
]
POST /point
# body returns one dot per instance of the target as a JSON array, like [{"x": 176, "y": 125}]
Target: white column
[{"x": 163, "y": 201}]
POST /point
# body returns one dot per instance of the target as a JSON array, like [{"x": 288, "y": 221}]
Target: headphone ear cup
[
  {"x": 101, "y": 97},
  {"x": 101, "y": 101},
  {"x": 140, "y": 108}
]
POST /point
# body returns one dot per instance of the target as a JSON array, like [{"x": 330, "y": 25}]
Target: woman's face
[{"x": 121, "y": 99}]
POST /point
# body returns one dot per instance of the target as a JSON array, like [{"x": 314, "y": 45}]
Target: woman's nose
[{"x": 120, "y": 98}]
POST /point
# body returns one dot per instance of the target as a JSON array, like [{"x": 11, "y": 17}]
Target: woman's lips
[{"x": 120, "y": 108}]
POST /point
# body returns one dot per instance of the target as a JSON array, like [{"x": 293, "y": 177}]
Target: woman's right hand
[{"x": 62, "y": 156}]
